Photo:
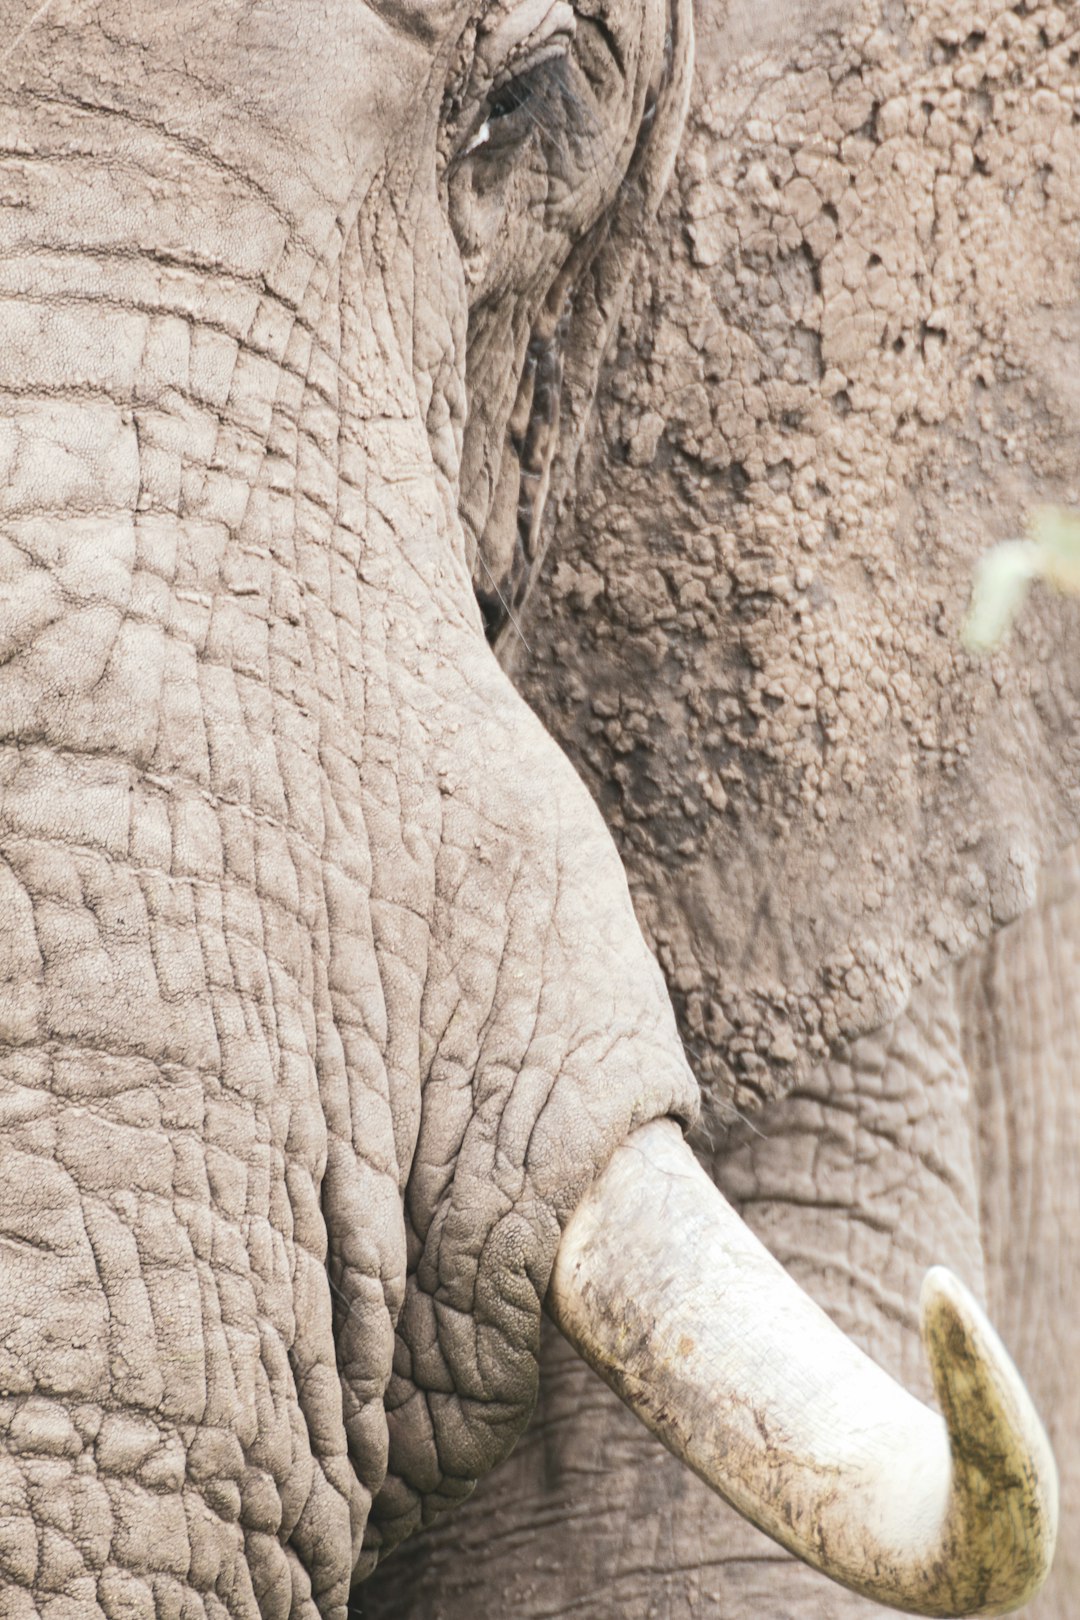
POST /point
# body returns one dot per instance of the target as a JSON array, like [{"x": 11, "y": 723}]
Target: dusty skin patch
[{"x": 849, "y": 365}]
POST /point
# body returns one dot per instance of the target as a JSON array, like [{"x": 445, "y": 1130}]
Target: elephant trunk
[{"x": 663, "y": 1290}]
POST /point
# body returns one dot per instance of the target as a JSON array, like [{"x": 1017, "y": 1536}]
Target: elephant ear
[{"x": 847, "y": 366}]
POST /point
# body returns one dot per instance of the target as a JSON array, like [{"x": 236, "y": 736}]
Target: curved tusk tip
[{"x": 1003, "y": 1510}]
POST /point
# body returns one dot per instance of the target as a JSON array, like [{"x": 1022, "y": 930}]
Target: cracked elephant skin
[{"x": 322, "y": 999}]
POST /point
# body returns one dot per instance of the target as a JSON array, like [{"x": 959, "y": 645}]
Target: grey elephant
[
  {"x": 847, "y": 364},
  {"x": 331, "y": 1047}
]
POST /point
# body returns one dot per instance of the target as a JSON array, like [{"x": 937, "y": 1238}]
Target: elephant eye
[
  {"x": 535, "y": 100},
  {"x": 510, "y": 98}
]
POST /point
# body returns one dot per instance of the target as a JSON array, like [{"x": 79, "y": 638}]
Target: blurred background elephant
[{"x": 849, "y": 362}]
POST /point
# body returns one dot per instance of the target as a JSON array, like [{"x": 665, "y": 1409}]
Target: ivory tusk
[{"x": 662, "y": 1288}]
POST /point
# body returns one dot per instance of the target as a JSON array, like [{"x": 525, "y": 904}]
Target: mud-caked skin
[
  {"x": 321, "y": 996},
  {"x": 846, "y": 368}
]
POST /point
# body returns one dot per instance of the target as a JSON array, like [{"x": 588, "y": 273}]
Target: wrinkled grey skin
[
  {"x": 847, "y": 363},
  {"x": 322, "y": 995}
]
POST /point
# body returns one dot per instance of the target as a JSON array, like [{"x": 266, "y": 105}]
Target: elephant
[
  {"x": 333, "y": 1051},
  {"x": 846, "y": 365}
]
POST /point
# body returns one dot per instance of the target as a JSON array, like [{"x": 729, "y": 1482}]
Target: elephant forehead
[
  {"x": 235, "y": 79},
  {"x": 850, "y": 368}
]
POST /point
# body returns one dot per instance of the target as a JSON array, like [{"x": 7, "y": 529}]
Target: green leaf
[
  {"x": 1003, "y": 575},
  {"x": 1057, "y": 535},
  {"x": 998, "y": 590}
]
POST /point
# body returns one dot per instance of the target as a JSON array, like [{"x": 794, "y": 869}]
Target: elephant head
[{"x": 328, "y": 1033}]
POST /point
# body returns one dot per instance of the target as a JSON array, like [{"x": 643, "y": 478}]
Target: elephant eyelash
[{"x": 543, "y": 99}]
